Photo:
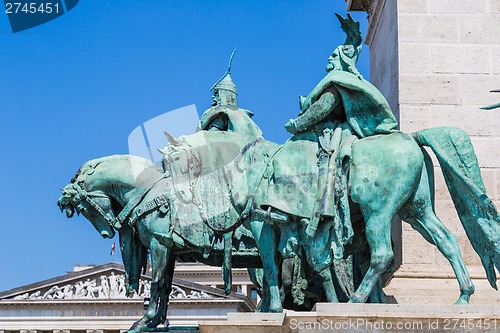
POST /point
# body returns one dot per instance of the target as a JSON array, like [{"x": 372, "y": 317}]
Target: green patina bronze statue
[
  {"x": 313, "y": 215},
  {"x": 225, "y": 115}
]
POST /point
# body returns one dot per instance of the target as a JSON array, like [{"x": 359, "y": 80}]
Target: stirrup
[{"x": 270, "y": 216}]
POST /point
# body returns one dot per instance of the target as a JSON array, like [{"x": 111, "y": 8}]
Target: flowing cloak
[
  {"x": 293, "y": 188},
  {"x": 366, "y": 109},
  {"x": 238, "y": 120}
]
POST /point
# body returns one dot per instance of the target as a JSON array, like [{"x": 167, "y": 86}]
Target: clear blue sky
[{"x": 73, "y": 89}]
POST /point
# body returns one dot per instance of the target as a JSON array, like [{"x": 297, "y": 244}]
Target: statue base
[{"x": 329, "y": 317}]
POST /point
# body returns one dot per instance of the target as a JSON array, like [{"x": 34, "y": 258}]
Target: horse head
[
  {"x": 95, "y": 205},
  {"x": 183, "y": 166},
  {"x": 100, "y": 191}
]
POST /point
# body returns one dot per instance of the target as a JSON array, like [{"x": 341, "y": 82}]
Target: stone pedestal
[
  {"x": 328, "y": 317},
  {"x": 438, "y": 287},
  {"x": 245, "y": 323}
]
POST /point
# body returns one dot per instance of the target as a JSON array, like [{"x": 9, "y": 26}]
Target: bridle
[{"x": 82, "y": 194}]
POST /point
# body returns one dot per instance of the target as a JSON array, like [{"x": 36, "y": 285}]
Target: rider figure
[
  {"x": 344, "y": 94},
  {"x": 225, "y": 115},
  {"x": 340, "y": 109}
]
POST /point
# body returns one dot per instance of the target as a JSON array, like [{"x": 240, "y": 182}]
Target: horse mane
[
  {"x": 89, "y": 164},
  {"x": 78, "y": 173}
]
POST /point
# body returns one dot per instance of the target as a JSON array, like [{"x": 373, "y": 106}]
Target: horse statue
[
  {"x": 107, "y": 191},
  {"x": 213, "y": 183}
]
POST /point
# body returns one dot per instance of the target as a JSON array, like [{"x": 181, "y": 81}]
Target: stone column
[
  {"x": 244, "y": 289},
  {"x": 436, "y": 61}
]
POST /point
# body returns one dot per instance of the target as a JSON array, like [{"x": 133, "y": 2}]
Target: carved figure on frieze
[
  {"x": 85, "y": 289},
  {"x": 198, "y": 294},
  {"x": 113, "y": 285},
  {"x": 145, "y": 292},
  {"x": 36, "y": 295},
  {"x": 68, "y": 291},
  {"x": 122, "y": 289},
  {"x": 54, "y": 293},
  {"x": 93, "y": 290},
  {"x": 78, "y": 289},
  {"x": 177, "y": 292},
  {"x": 104, "y": 291},
  {"x": 22, "y": 296}
]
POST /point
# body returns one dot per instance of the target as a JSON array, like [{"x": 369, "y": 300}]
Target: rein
[
  {"x": 138, "y": 195},
  {"x": 116, "y": 222},
  {"x": 83, "y": 195}
]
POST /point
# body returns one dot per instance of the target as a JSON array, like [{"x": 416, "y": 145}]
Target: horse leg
[
  {"x": 419, "y": 212},
  {"x": 265, "y": 237},
  {"x": 378, "y": 236},
  {"x": 159, "y": 258},
  {"x": 161, "y": 315},
  {"x": 288, "y": 244},
  {"x": 328, "y": 287},
  {"x": 437, "y": 234},
  {"x": 377, "y": 295},
  {"x": 265, "y": 302},
  {"x": 257, "y": 277}
]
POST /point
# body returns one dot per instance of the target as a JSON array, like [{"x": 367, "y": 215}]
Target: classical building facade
[
  {"x": 92, "y": 299},
  {"x": 436, "y": 61}
]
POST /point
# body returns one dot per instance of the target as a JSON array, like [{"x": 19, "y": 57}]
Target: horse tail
[{"x": 462, "y": 175}]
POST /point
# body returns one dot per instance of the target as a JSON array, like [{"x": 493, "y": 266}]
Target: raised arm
[{"x": 318, "y": 111}]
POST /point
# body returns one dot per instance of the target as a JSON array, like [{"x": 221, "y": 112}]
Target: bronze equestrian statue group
[{"x": 311, "y": 218}]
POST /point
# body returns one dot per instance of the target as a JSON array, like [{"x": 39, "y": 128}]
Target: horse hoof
[
  {"x": 153, "y": 324},
  {"x": 276, "y": 309},
  {"x": 462, "y": 301},
  {"x": 356, "y": 298},
  {"x": 136, "y": 327}
]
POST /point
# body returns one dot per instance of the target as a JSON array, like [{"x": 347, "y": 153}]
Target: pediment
[{"x": 103, "y": 282}]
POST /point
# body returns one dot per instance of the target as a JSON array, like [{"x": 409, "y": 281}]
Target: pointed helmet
[{"x": 225, "y": 92}]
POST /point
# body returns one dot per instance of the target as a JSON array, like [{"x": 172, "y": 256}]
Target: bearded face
[{"x": 334, "y": 61}]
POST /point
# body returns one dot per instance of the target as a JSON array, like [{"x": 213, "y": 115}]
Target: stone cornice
[{"x": 373, "y": 8}]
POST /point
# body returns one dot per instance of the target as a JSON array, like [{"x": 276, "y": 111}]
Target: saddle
[{"x": 309, "y": 180}]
